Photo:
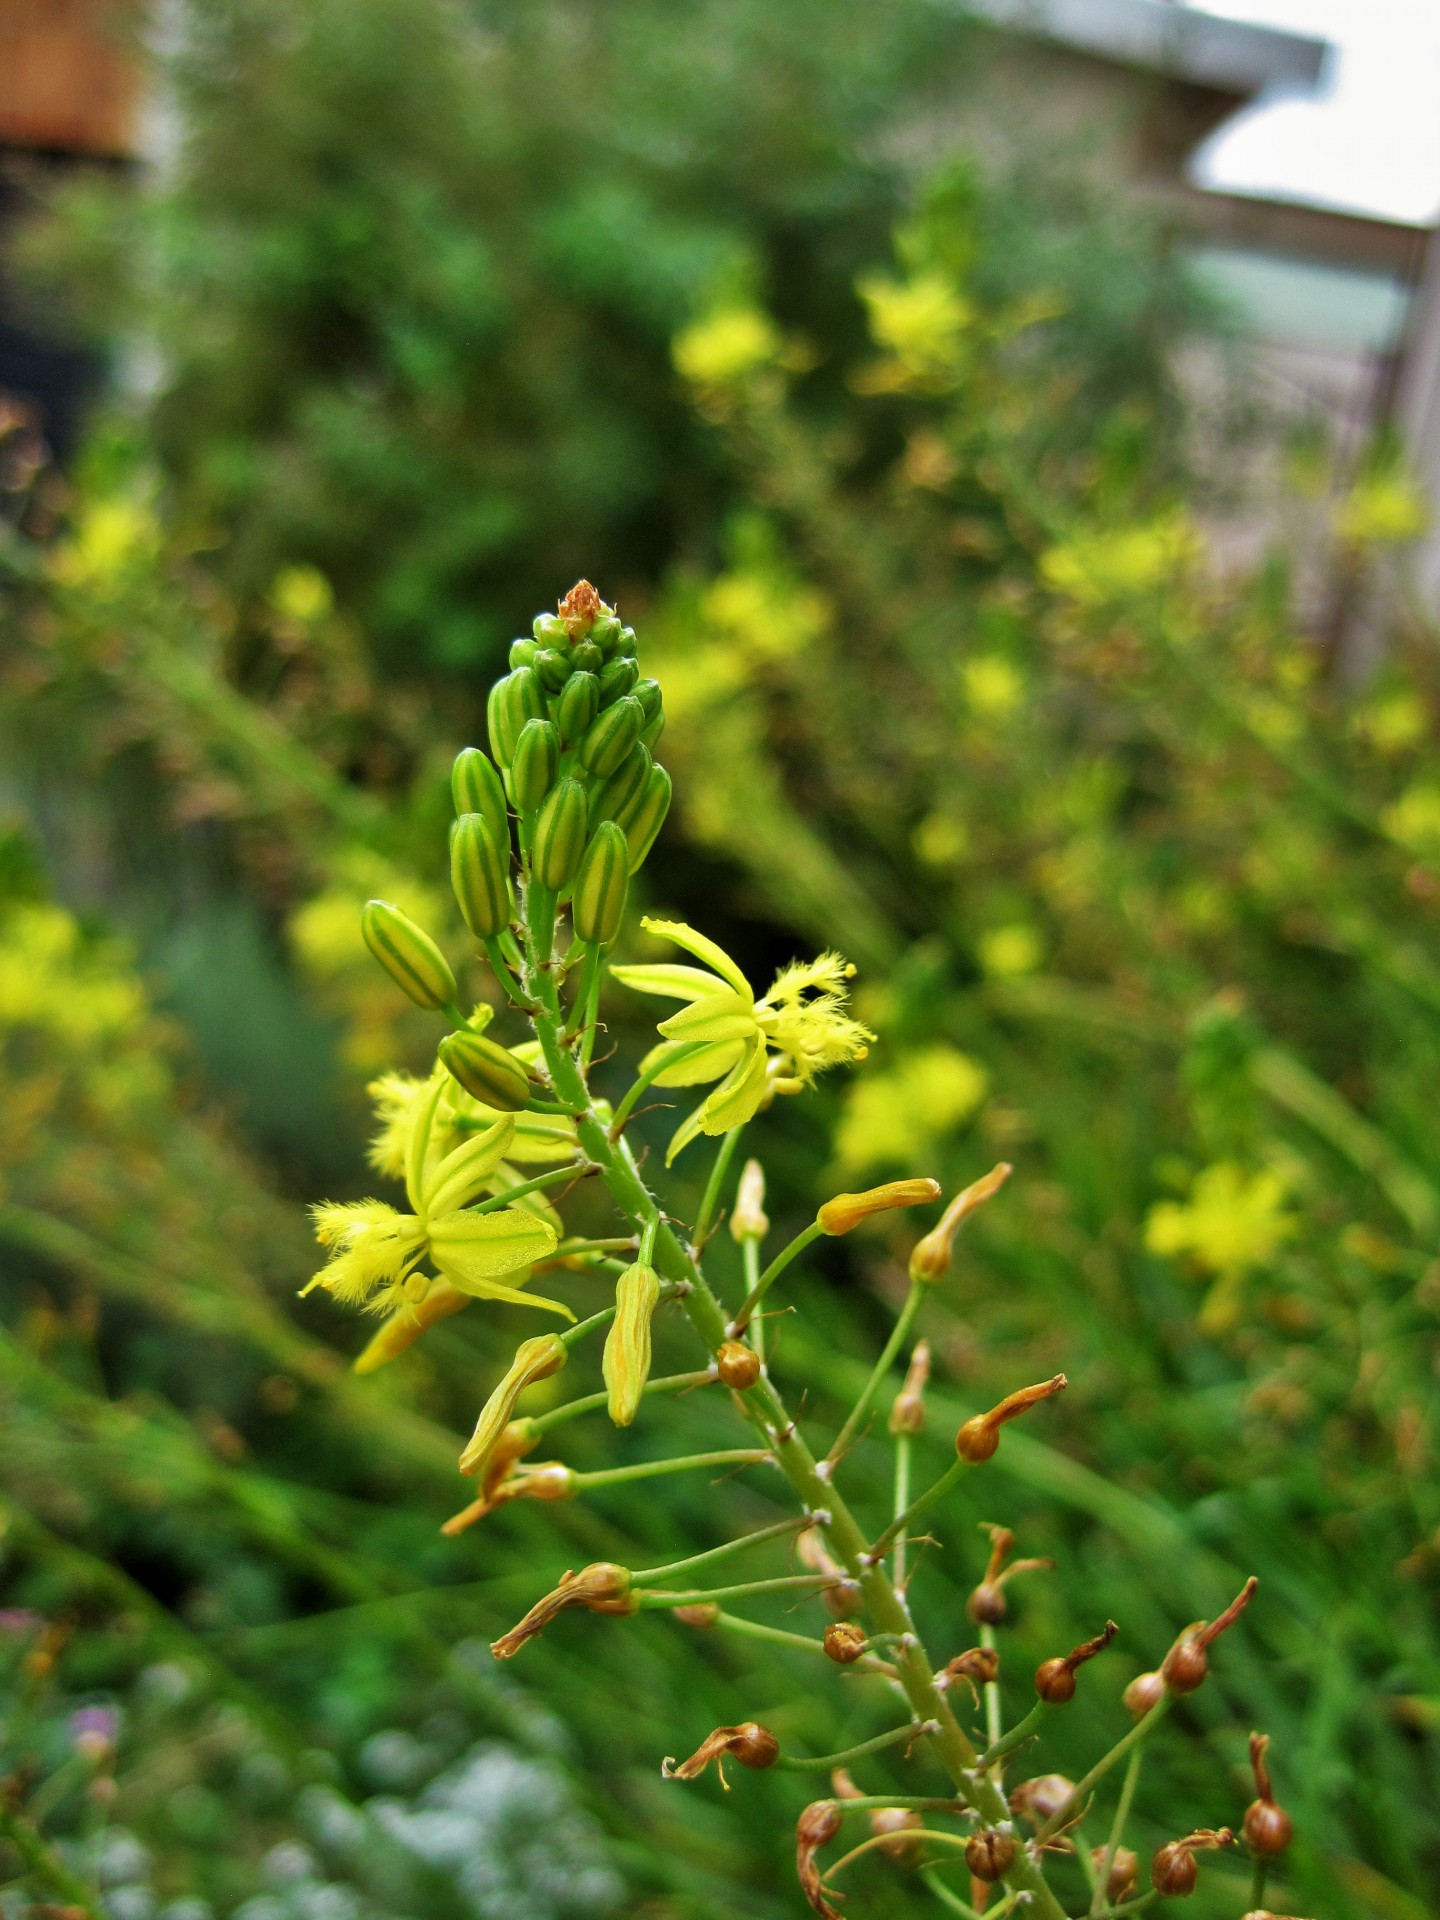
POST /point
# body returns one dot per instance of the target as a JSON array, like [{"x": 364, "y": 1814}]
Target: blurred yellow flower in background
[
  {"x": 723, "y": 347},
  {"x": 1232, "y": 1223},
  {"x": 895, "y": 1116},
  {"x": 1007, "y": 952},
  {"x": 1101, "y": 565}
]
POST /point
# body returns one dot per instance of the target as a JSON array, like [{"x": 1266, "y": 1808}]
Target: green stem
[
  {"x": 592, "y": 1402},
  {"x": 1117, "y": 1831},
  {"x": 757, "y": 1630},
  {"x": 603, "y": 1318},
  {"x": 653, "y": 1469},
  {"x": 922, "y": 1803},
  {"x": 1102, "y": 1766},
  {"x": 42, "y": 1860},
  {"x": 505, "y": 975},
  {"x": 721, "y": 1552},
  {"x": 724, "y": 1155},
  {"x": 993, "y": 1706},
  {"x": 946, "y": 1896},
  {"x": 904, "y": 1521},
  {"x": 887, "y": 1840},
  {"x": 901, "y": 1501},
  {"x": 574, "y": 1171},
  {"x": 822, "y": 1763},
  {"x": 750, "y": 1258},
  {"x": 703, "y": 1596},
  {"x": 647, "y": 1080},
  {"x": 878, "y": 1374},
  {"x": 1021, "y": 1731},
  {"x": 1259, "y": 1872},
  {"x": 773, "y": 1272}
]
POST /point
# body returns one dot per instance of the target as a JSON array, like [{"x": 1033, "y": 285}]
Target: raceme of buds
[
  {"x": 1188, "y": 1662},
  {"x": 845, "y": 1212},
  {"x": 894, "y": 1828},
  {"x": 535, "y": 1359},
  {"x": 1267, "y": 1828},
  {"x": 535, "y": 763},
  {"x": 737, "y": 1365},
  {"x": 480, "y": 875},
  {"x": 816, "y": 1828},
  {"x": 408, "y": 955},
  {"x": 1124, "y": 1874},
  {"x": 485, "y": 1070},
  {"x": 559, "y": 843},
  {"x": 751, "y": 1744},
  {"x": 989, "y": 1854},
  {"x": 930, "y": 1259},
  {"x": 987, "y": 1605},
  {"x": 749, "y": 1221},
  {"x": 908, "y": 1413},
  {"x": 1055, "y": 1679},
  {"x": 626, "y": 1360},
  {"x": 979, "y": 1437},
  {"x": 1144, "y": 1692},
  {"x": 597, "y": 905},
  {"x": 1043, "y": 1797},
  {"x": 477, "y": 788},
  {"x": 1173, "y": 1871},
  {"x": 404, "y": 1328},
  {"x": 601, "y": 1587},
  {"x": 844, "y": 1641}
]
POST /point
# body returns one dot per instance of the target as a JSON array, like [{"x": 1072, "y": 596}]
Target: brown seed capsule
[
  {"x": 1267, "y": 1827},
  {"x": 894, "y": 1827},
  {"x": 907, "y": 1415},
  {"x": 704, "y": 1614},
  {"x": 1043, "y": 1797},
  {"x": 751, "y": 1744},
  {"x": 978, "y": 1439},
  {"x": 930, "y": 1260},
  {"x": 844, "y": 1641},
  {"x": 1145, "y": 1691},
  {"x": 601, "y": 1587},
  {"x": 987, "y": 1605},
  {"x": 1187, "y": 1662},
  {"x": 1173, "y": 1871},
  {"x": 1055, "y": 1679},
  {"x": 737, "y": 1365},
  {"x": 1124, "y": 1874},
  {"x": 989, "y": 1854},
  {"x": 816, "y": 1828}
]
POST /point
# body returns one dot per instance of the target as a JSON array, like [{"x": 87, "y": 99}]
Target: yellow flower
[
  {"x": 1383, "y": 510},
  {"x": 923, "y": 321},
  {"x": 1232, "y": 1222},
  {"x": 376, "y": 1250},
  {"x": 775, "y": 1044},
  {"x": 1103, "y": 565},
  {"x": 725, "y": 346},
  {"x": 1007, "y": 952},
  {"x": 894, "y": 1118}
]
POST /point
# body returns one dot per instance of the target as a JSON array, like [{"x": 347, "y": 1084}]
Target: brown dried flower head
[
  {"x": 1124, "y": 1875},
  {"x": 1188, "y": 1661},
  {"x": 602, "y": 1587},
  {"x": 930, "y": 1260},
  {"x": 845, "y": 1212},
  {"x": 1055, "y": 1679},
  {"x": 987, "y": 1604},
  {"x": 1267, "y": 1828},
  {"x": 816, "y": 1828},
  {"x": 750, "y": 1743},
  {"x": 1173, "y": 1871},
  {"x": 989, "y": 1854},
  {"x": 979, "y": 1665},
  {"x": 979, "y": 1437},
  {"x": 580, "y": 609}
]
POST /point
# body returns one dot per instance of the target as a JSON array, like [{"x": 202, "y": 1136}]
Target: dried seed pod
[
  {"x": 894, "y": 1828},
  {"x": 601, "y": 1587},
  {"x": 1188, "y": 1661},
  {"x": 979, "y": 1665},
  {"x": 845, "y": 1212},
  {"x": 816, "y": 1828},
  {"x": 1267, "y": 1828},
  {"x": 907, "y": 1415},
  {"x": 987, "y": 1605},
  {"x": 979, "y": 1437},
  {"x": 750, "y": 1743},
  {"x": 1124, "y": 1875},
  {"x": 748, "y": 1219},
  {"x": 930, "y": 1260},
  {"x": 1042, "y": 1798},
  {"x": 1174, "y": 1872},
  {"x": 989, "y": 1854},
  {"x": 1055, "y": 1679},
  {"x": 704, "y": 1614},
  {"x": 1144, "y": 1692},
  {"x": 844, "y": 1641},
  {"x": 737, "y": 1365}
]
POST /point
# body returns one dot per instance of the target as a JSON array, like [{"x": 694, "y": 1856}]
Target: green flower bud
[
  {"x": 553, "y": 668},
  {"x": 550, "y": 630},
  {"x": 587, "y": 657},
  {"x": 647, "y": 816},
  {"x": 618, "y": 678},
  {"x": 480, "y": 875},
  {"x": 408, "y": 954},
  {"x": 606, "y": 631},
  {"x": 477, "y": 788},
  {"x": 537, "y": 758},
  {"x": 560, "y": 835},
  {"x": 626, "y": 1360},
  {"x": 620, "y": 792},
  {"x": 486, "y": 1070},
  {"x": 597, "y": 904},
  {"x": 647, "y": 692},
  {"x": 626, "y": 647},
  {"x": 517, "y": 698},
  {"x": 579, "y": 704},
  {"x": 522, "y": 653},
  {"x": 612, "y": 736},
  {"x": 652, "y": 732}
]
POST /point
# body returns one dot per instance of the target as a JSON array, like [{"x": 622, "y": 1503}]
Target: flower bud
[
  {"x": 625, "y": 646},
  {"x": 534, "y": 1360},
  {"x": 816, "y": 1828},
  {"x": 485, "y": 1070},
  {"x": 612, "y": 736},
  {"x": 894, "y": 1828},
  {"x": 617, "y": 679},
  {"x": 648, "y": 815},
  {"x": 1144, "y": 1692},
  {"x": 626, "y": 1360},
  {"x": 1173, "y": 1871},
  {"x": 523, "y": 652},
  {"x": 653, "y": 730},
  {"x": 599, "y": 1588},
  {"x": 986, "y": 1605},
  {"x": 749, "y": 1221},
  {"x": 550, "y": 630},
  {"x": 1055, "y": 1679},
  {"x": 559, "y": 844},
  {"x": 553, "y": 667},
  {"x": 908, "y": 1413},
  {"x": 597, "y": 904},
  {"x": 586, "y": 657},
  {"x": 533, "y": 768},
  {"x": 844, "y": 1642},
  {"x": 1267, "y": 1828},
  {"x": 989, "y": 1854},
  {"x": 480, "y": 875},
  {"x": 1188, "y": 1661},
  {"x": 580, "y": 609},
  {"x": 477, "y": 788},
  {"x": 845, "y": 1212},
  {"x": 605, "y": 632},
  {"x": 408, "y": 955},
  {"x": 978, "y": 1439},
  {"x": 647, "y": 692},
  {"x": 513, "y": 703},
  {"x": 930, "y": 1259},
  {"x": 703, "y": 1615},
  {"x": 737, "y": 1365},
  {"x": 1124, "y": 1875},
  {"x": 751, "y": 1744},
  {"x": 618, "y": 795},
  {"x": 578, "y": 705},
  {"x": 1042, "y": 1798}
]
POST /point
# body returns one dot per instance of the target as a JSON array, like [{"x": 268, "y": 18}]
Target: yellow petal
[
  {"x": 694, "y": 1069},
  {"x": 473, "y": 1248},
  {"x": 717, "y": 1017},
  {"x": 737, "y": 1098},
  {"x": 675, "y": 982},
  {"x": 541, "y": 1138},
  {"x": 456, "y": 1180},
  {"x": 419, "y": 1148},
  {"x": 702, "y": 949}
]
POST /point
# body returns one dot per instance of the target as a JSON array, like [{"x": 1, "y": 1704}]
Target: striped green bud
[
  {"x": 605, "y": 632},
  {"x": 647, "y": 692},
  {"x": 618, "y": 678},
  {"x": 553, "y": 668},
  {"x": 480, "y": 875},
  {"x": 612, "y": 736},
  {"x": 537, "y": 758},
  {"x": 560, "y": 835},
  {"x": 517, "y": 698},
  {"x": 624, "y": 787},
  {"x": 477, "y": 788},
  {"x": 626, "y": 1360},
  {"x": 408, "y": 954},
  {"x": 485, "y": 1070},
  {"x": 653, "y": 730},
  {"x": 579, "y": 704},
  {"x": 522, "y": 653},
  {"x": 597, "y": 904},
  {"x": 586, "y": 657},
  {"x": 550, "y": 630},
  {"x": 647, "y": 816},
  {"x": 626, "y": 647}
]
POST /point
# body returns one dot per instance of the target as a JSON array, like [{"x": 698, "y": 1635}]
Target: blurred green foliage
[{"x": 1141, "y": 903}]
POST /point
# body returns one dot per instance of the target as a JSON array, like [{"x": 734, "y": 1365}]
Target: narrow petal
[
  {"x": 471, "y": 1249},
  {"x": 737, "y": 1097},
  {"x": 456, "y": 1180},
  {"x": 702, "y": 949},
  {"x": 675, "y": 982},
  {"x": 418, "y": 1151},
  {"x": 717, "y": 1017},
  {"x": 541, "y": 1138},
  {"x": 693, "y": 1069}
]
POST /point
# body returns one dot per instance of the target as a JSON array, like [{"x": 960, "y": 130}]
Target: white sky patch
[{"x": 1368, "y": 139}]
